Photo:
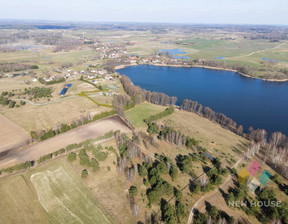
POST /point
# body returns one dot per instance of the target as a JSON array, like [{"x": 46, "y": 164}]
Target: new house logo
[{"x": 248, "y": 176}]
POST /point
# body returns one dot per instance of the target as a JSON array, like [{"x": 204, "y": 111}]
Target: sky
[{"x": 164, "y": 11}]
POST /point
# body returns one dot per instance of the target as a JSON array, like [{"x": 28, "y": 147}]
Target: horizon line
[{"x": 137, "y": 22}]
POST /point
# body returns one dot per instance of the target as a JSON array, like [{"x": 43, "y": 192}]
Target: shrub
[
  {"x": 173, "y": 172},
  {"x": 47, "y": 135},
  {"x": 84, "y": 174},
  {"x": 146, "y": 182},
  {"x": 17, "y": 167},
  {"x": 94, "y": 164},
  {"x": 45, "y": 157},
  {"x": 142, "y": 171},
  {"x": 71, "y": 156},
  {"x": 60, "y": 151},
  {"x": 162, "y": 168},
  {"x": 101, "y": 156},
  {"x": 84, "y": 158},
  {"x": 133, "y": 191}
]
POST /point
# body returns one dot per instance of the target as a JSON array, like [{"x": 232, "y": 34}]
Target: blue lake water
[
  {"x": 175, "y": 53},
  {"x": 250, "y": 102},
  {"x": 273, "y": 60}
]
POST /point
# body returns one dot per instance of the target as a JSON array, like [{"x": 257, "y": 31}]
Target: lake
[
  {"x": 250, "y": 102},
  {"x": 175, "y": 53}
]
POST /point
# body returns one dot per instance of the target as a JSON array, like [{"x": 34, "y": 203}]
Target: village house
[{"x": 108, "y": 77}]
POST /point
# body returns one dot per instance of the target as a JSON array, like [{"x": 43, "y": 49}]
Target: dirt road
[
  {"x": 200, "y": 204},
  {"x": 33, "y": 152}
]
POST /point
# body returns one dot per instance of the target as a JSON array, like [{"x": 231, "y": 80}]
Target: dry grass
[
  {"x": 32, "y": 117},
  {"x": 110, "y": 187},
  {"x": 89, "y": 131},
  {"x": 11, "y": 135},
  {"x": 218, "y": 141},
  {"x": 52, "y": 193},
  {"x": 216, "y": 199}
]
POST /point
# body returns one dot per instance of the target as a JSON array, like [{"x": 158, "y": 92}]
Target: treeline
[
  {"x": 121, "y": 103},
  {"x": 43, "y": 135},
  {"x": 13, "y": 67},
  {"x": 87, "y": 145},
  {"x": 223, "y": 120},
  {"x": 274, "y": 147},
  {"x": 172, "y": 136},
  {"x": 38, "y": 92},
  {"x": 18, "y": 167},
  {"x": 141, "y": 95},
  {"x": 5, "y": 101},
  {"x": 128, "y": 149},
  {"x": 166, "y": 112},
  {"x": 271, "y": 72}
]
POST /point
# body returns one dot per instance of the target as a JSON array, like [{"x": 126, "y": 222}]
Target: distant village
[{"x": 109, "y": 56}]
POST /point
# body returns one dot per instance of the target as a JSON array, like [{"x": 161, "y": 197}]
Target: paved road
[{"x": 89, "y": 131}]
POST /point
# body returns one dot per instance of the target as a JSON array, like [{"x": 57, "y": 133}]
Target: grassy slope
[
  {"x": 143, "y": 111},
  {"x": 217, "y": 140},
  {"x": 58, "y": 188}
]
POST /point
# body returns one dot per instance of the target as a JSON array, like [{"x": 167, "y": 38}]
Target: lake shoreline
[
  {"x": 207, "y": 67},
  {"x": 242, "y": 99}
]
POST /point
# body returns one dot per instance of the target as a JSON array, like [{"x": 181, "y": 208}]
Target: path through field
[
  {"x": 41, "y": 104},
  {"x": 255, "y": 52}
]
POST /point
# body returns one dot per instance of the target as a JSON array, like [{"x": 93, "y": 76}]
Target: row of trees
[
  {"x": 166, "y": 112},
  {"x": 61, "y": 128},
  {"x": 71, "y": 156},
  {"x": 172, "y": 136},
  {"x": 17, "y": 167},
  {"x": 13, "y": 67},
  {"x": 275, "y": 146},
  {"x": 223, "y": 120},
  {"x": 140, "y": 95},
  {"x": 128, "y": 149},
  {"x": 272, "y": 149}
]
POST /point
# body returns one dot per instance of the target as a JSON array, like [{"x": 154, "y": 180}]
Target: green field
[
  {"x": 49, "y": 194},
  {"x": 142, "y": 111}
]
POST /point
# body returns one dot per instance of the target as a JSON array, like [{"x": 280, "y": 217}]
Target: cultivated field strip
[{"x": 64, "y": 200}]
